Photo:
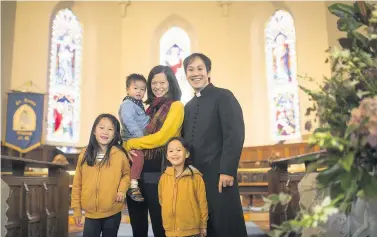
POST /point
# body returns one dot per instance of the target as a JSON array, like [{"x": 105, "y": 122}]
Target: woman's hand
[
  {"x": 120, "y": 197},
  {"x": 203, "y": 232},
  {"x": 78, "y": 221}
]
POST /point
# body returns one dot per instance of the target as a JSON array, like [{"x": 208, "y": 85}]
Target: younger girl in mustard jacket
[{"x": 182, "y": 194}]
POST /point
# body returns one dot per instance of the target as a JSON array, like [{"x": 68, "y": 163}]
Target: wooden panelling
[{"x": 38, "y": 205}]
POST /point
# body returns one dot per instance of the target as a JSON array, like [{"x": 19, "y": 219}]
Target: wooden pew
[{"x": 38, "y": 202}]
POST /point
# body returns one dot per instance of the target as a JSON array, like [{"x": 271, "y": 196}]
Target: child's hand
[
  {"x": 120, "y": 197},
  {"x": 133, "y": 153},
  {"x": 203, "y": 232},
  {"x": 78, "y": 221}
]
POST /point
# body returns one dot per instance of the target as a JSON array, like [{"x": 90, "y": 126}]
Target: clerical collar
[
  {"x": 136, "y": 101},
  {"x": 205, "y": 90}
]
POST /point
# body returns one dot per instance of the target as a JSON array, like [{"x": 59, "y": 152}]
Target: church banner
[{"x": 24, "y": 121}]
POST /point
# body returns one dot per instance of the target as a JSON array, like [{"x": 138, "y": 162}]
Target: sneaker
[{"x": 135, "y": 194}]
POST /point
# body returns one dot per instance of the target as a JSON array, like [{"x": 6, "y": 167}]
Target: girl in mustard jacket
[
  {"x": 182, "y": 194},
  {"x": 101, "y": 180}
]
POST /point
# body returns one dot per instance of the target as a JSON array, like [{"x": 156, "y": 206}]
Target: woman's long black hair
[
  {"x": 93, "y": 146},
  {"x": 186, "y": 145},
  {"x": 174, "y": 92}
]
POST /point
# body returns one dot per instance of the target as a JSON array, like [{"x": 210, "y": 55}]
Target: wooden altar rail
[
  {"x": 38, "y": 205},
  {"x": 252, "y": 155},
  {"x": 280, "y": 180},
  {"x": 255, "y": 164},
  {"x": 41, "y": 153}
]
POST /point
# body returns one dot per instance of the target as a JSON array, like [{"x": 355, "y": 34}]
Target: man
[{"x": 215, "y": 128}]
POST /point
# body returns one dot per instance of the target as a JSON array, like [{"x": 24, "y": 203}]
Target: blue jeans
[{"x": 108, "y": 226}]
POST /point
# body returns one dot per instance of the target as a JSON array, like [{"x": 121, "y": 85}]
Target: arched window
[
  {"x": 64, "y": 79},
  {"x": 281, "y": 72},
  {"x": 174, "y": 48}
]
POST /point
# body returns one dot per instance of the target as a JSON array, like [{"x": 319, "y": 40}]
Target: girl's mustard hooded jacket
[
  {"x": 95, "y": 188},
  {"x": 183, "y": 202}
]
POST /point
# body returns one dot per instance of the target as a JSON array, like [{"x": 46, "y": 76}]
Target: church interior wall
[
  {"x": 115, "y": 46},
  {"x": 8, "y": 17}
]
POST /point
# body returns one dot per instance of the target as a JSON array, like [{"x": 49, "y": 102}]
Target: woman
[{"x": 166, "y": 112}]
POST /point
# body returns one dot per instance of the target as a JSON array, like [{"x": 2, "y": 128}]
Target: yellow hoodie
[
  {"x": 95, "y": 188},
  {"x": 183, "y": 202},
  {"x": 171, "y": 128}
]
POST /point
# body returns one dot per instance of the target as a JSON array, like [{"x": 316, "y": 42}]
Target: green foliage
[{"x": 346, "y": 107}]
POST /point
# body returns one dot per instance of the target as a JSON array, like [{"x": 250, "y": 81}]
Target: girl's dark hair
[
  {"x": 174, "y": 92},
  {"x": 93, "y": 147},
  {"x": 186, "y": 145}
]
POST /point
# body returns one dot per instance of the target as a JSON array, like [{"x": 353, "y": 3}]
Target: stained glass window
[
  {"x": 174, "y": 48},
  {"x": 281, "y": 72},
  {"x": 64, "y": 81}
]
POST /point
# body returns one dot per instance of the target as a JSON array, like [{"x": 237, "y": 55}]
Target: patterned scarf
[{"x": 158, "y": 111}]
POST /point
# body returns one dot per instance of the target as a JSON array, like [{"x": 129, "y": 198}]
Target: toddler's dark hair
[{"x": 135, "y": 77}]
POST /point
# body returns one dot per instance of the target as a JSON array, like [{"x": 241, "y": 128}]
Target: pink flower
[
  {"x": 368, "y": 107},
  {"x": 355, "y": 117},
  {"x": 366, "y": 110},
  {"x": 372, "y": 140},
  {"x": 372, "y": 125}
]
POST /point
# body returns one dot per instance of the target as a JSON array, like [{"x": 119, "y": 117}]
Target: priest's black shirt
[{"x": 214, "y": 127}]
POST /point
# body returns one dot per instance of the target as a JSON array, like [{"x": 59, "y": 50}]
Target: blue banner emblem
[{"x": 24, "y": 121}]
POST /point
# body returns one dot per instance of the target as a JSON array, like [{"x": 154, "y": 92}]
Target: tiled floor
[{"x": 256, "y": 223}]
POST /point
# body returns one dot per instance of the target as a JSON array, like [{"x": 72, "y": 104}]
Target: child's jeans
[
  {"x": 137, "y": 164},
  {"x": 108, "y": 226},
  {"x": 198, "y": 235}
]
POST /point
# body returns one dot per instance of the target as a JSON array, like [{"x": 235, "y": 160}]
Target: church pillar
[{"x": 8, "y": 17}]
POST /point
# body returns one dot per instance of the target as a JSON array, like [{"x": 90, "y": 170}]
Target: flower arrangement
[{"x": 346, "y": 106}]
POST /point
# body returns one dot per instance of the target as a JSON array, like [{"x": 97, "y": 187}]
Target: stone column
[{"x": 310, "y": 197}]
